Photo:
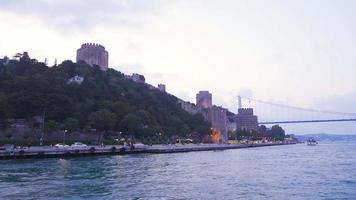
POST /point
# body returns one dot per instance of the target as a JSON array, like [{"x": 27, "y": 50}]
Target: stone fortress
[
  {"x": 216, "y": 115},
  {"x": 219, "y": 117},
  {"x": 204, "y": 100},
  {"x": 93, "y": 54}
]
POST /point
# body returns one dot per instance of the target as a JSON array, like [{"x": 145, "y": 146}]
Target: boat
[{"x": 312, "y": 142}]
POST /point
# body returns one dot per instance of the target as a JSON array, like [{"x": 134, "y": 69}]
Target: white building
[{"x": 76, "y": 79}]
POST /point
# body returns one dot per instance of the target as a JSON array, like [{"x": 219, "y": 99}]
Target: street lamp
[
  {"x": 118, "y": 140},
  {"x": 64, "y": 138}
]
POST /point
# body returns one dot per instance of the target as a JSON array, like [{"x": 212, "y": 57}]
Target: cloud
[
  {"x": 338, "y": 103},
  {"x": 84, "y": 15},
  {"x": 246, "y": 93},
  {"x": 131, "y": 68}
]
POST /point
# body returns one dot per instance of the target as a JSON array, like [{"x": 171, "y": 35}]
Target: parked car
[
  {"x": 78, "y": 145},
  {"x": 139, "y": 145},
  {"x": 60, "y": 145},
  {"x": 7, "y": 147}
]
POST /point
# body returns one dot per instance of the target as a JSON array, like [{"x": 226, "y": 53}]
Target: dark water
[{"x": 326, "y": 171}]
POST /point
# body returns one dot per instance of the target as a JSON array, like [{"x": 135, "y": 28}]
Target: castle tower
[
  {"x": 93, "y": 54},
  {"x": 204, "y": 99},
  {"x": 246, "y": 120}
]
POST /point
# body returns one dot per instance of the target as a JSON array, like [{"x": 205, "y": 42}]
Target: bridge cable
[{"x": 300, "y": 108}]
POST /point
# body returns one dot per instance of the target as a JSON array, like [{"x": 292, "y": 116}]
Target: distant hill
[
  {"x": 107, "y": 101},
  {"x": 327, "y": 137}
]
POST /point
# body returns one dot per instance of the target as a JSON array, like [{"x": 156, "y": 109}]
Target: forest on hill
[{"x": 106, "y": 101}]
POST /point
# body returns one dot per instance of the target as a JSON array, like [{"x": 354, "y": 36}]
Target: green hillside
[{"x": 105, "y": 101}]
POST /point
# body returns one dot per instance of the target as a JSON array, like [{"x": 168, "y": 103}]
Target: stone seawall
[{"x": 51, "y": 152}]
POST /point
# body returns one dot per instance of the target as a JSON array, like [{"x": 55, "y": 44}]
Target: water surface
[{"x": 326, "y": 171}]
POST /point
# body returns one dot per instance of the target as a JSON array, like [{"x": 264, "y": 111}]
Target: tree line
[{"x": 106, "y": 101}]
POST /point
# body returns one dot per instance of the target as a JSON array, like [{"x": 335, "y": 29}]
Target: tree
[
  {"x": 102, "y": 120},
  {"x": 103, "y": 99},
  {"x": 26, "y": 134},
  {"x": 3, "y": 124},
  {"x": 277, "y": 132},
  {"x": 241, "y": 134},
  {"x": 4, "y": 111},
  {"x": 50, "y": 126},
  {"x": 131, "y": 125},
  {"x": 231, "y": 135},
  {"x": 8, "y": 134},
  {"x": 71, "y": 124},
  {"x": 262, "y": 129}
]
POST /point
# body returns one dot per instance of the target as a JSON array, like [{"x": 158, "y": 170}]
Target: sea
[{"x": 325, "y": 171}]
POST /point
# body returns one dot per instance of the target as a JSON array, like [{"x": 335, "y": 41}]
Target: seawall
[{"x": 53, "y": 152}]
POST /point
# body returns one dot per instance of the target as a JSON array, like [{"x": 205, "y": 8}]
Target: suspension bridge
[{"x": 276, "y": 113}]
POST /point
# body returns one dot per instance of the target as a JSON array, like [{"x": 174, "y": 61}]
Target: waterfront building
[
  {"x": 204, "y": 100},
  {"x": 93, "y": 54},
  {"x": 246, "y": 120}
]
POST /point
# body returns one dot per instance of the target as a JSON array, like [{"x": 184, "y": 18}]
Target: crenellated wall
[{"x": 93, "y": 54}]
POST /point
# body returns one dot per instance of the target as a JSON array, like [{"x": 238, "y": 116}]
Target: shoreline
[{"x": 53, "y": 152}]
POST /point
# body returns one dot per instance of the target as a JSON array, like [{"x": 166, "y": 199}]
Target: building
[
  {"x": 246, "y": 120},
  {"x": 161, "y": 87},
  {"x": 189, "y": 107},
  {"x": 93, "y": 54},
  {"x": 204, "y": 100},
  {"x": 76, "y": 79},
  {"x": 218, "y": 119},
  {"x": 138, "y": 78}
]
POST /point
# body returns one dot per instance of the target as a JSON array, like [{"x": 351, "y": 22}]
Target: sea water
[{"x": 325, "y": 171}]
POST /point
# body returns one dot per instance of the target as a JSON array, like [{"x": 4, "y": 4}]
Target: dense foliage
[
  {"x": 274, "y": 133},
  {"x": 105, "y": 101}
]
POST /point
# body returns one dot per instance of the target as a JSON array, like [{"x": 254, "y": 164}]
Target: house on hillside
[{"x": 76, "y": 79}]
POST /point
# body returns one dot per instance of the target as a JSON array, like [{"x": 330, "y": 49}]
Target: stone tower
[
  {"x": 204, "y": 99},
  {"x": 93, "y": 54}
]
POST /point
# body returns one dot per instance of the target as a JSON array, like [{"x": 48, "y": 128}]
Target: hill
[
  {"x": 327, "y": 137},
  {"x": 106, "y": 101}
]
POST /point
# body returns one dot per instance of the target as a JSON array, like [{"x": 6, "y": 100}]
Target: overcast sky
[{"x": 299, "y": 52}]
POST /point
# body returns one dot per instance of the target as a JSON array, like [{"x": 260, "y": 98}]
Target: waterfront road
[{"x": 51, "y": 151}]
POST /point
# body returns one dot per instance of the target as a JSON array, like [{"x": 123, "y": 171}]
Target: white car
[
  {"x": 60, "y": 145},
  {"x": 139, "y": 145},
  {"x": 78, "y": 145}
]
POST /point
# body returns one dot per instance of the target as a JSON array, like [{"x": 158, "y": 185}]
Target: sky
[{"x": 297, "y": 52}]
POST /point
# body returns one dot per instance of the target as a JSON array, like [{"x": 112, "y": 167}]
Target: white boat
[{"x": 312, "y": 142}]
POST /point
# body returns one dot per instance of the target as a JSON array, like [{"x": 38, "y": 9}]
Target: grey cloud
[
  {"x": 150, "y": 75},
  {"x": 131, "y": 68},
  {"x": 246, "y": 93},
  {"x": 156, "y": 75},
  {"x": 339, "y": 103},
  {"x": 82, "y": 15}
]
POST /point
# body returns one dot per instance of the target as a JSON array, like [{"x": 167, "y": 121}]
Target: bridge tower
[{"x": 239, "y": 102}]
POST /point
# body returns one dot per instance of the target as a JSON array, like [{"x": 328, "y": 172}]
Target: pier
[{"x": 53, "y": 152}]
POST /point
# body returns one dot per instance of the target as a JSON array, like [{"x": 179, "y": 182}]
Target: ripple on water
[{"x": 282, "y": 172}]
